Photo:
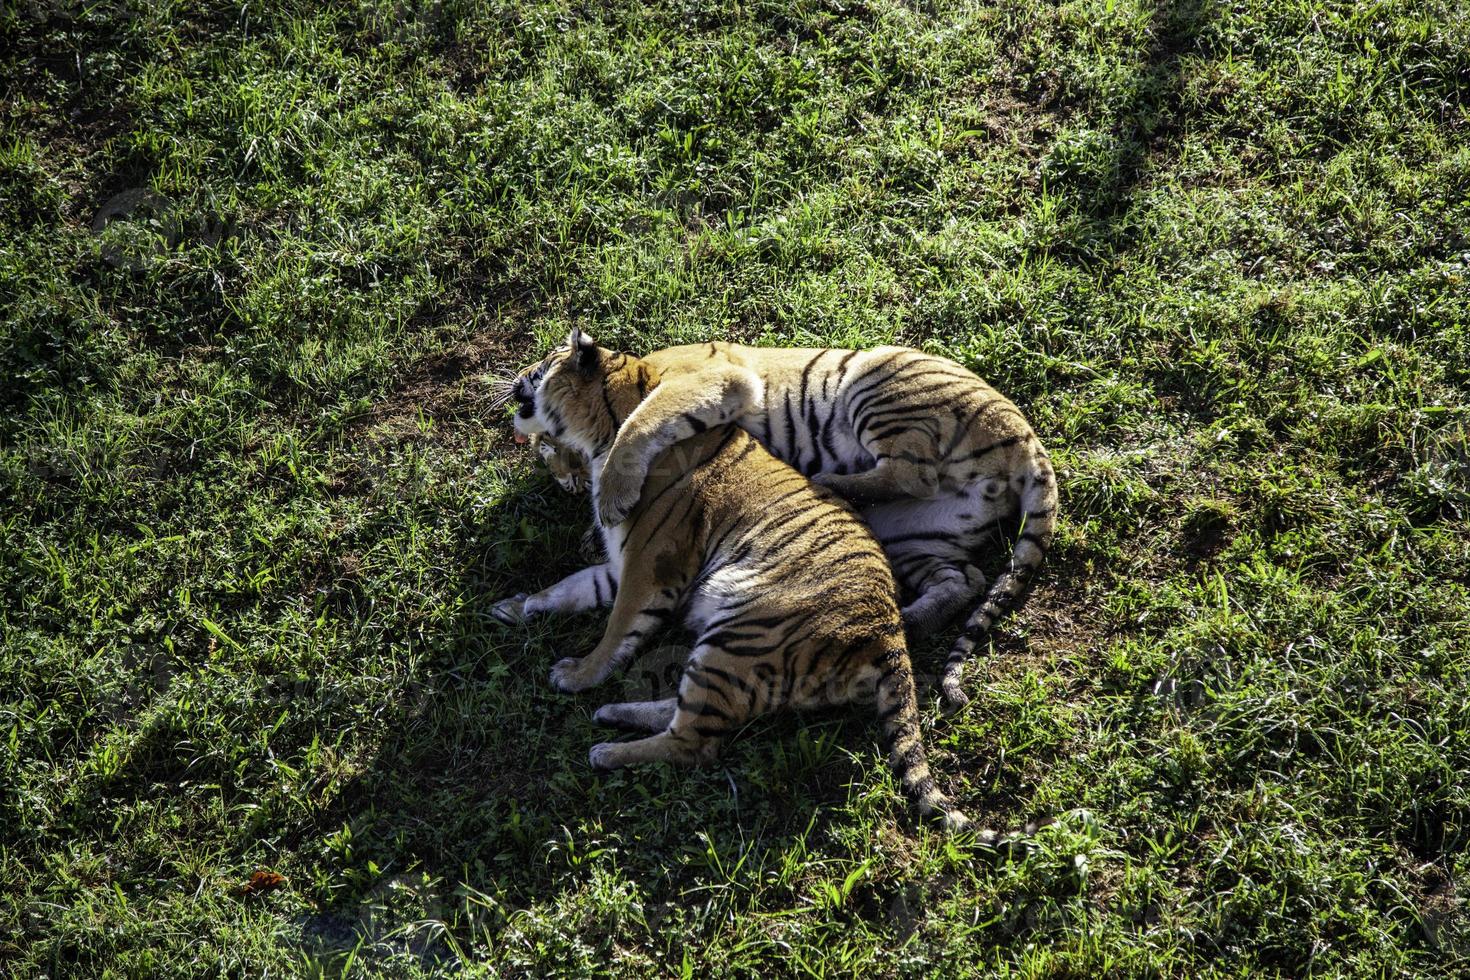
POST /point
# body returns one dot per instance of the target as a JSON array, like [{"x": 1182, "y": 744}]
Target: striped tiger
[
  {"x": 937, "y": 460},
  {"x": 789, "y": 596}
]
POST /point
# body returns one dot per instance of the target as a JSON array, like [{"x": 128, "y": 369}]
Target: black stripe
[
  {"x": 872, "y": 369},
  {"x": 806, "y": 375},
  {"x": 962, "y": 429},
  {"x": 883, "y": 386},
  {"x": 607, "y": 403},
  {"x": 908, "y": 457},
  {"x": 749, "y": 447},
  {"x": 944, "y": 536},
  {"x": 791, "y": 456},
  {"x": 792, "y": 534},
  {"x": 896, "y": 403},
  {"x": 1002, "y": 444},
  {"x": 842, "y": 365},
  {"x": 919, "y": 409},
  {"x": 731, "y": 679}
]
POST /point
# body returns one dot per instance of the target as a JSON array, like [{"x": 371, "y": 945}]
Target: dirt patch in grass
[
  {"x": 1061, "y": 624},
  {"x": 449, "y": 390}
]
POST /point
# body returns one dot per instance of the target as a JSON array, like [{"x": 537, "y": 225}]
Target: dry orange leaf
[{"x": 261, "y": 882}]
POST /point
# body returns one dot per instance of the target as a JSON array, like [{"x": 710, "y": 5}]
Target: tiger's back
[{"x": 790, "y": 598}]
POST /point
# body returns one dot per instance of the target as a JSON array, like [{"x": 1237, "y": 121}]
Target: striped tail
[
  {"x": 899, "y": 715},
  {"x": 1038, "y": 525}
]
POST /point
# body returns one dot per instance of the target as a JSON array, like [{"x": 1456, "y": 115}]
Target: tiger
[
  {"x": 790, "y": 597},
  {"x": 937, "y": 460}
]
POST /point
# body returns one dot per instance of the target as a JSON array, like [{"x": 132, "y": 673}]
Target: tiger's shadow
[{"x": 479, "y": 802}]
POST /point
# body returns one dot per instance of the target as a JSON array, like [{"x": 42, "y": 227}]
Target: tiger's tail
[
  {"x": 1033, "y": 539},
  {"x": 898, "y": 715}
]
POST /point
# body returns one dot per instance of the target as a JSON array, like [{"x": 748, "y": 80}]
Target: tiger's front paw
[
  {"x": 617, "y": 493},
  {"x": 605, "y": 756},
  {"x": 575, "y": 674},
  {"x": 512, "y": 611}
]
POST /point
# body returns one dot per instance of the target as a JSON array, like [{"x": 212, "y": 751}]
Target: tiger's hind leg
[
  {"x": 906, "y": 464},
  {"x": 897, "y": 475},
  {"x": 713, "y": 701},
  {"x": 931, "y": 546},
  {"x": 680, "y": 746},
  {"x": 942, "y": 596}
]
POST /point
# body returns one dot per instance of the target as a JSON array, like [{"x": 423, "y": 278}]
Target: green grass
[{"x": 254, "y": 507}]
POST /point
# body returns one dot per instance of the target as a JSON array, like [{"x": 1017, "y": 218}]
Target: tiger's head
[
  {"x": 567, "y": 466},
  {"x": 579, "y": 394}
]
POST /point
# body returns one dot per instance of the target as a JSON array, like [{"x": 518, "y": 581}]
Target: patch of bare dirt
[
  {"x": 1007, "y": 116},
  {"x": 1439, "y": 902},
  {"x": 1061, "y": 622},
  {"x": 451, "y": 390}
]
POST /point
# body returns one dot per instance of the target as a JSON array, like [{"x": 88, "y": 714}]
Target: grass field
[{"x": 255, "y": 261}]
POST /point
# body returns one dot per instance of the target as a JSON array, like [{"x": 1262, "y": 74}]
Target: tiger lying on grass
[
  {"x": 791, "y": 599},
  {"x": 936, "y": 458}
]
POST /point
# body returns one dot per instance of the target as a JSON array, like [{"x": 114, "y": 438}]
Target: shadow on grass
[
  {"x": 1101, "y": 169},
  {"x": 479, "y": 817},
  {"x": 1153, "y": 115}
]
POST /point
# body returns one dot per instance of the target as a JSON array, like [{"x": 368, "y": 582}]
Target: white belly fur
[
  {"x": 939, "y": 514},
  {"x": 706, "y": 604}
]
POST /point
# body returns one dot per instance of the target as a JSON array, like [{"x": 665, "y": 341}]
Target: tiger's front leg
[
  {"x": 647, "y": 596},
  {"x": 678, "y": 408},
  {"x": 578, "y": 592}
]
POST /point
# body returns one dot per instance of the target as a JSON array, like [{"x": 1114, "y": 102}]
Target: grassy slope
[{"x": 253, "y": 512}]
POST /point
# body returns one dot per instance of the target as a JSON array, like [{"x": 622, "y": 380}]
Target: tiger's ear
[{"x": 584, "y": 349}]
